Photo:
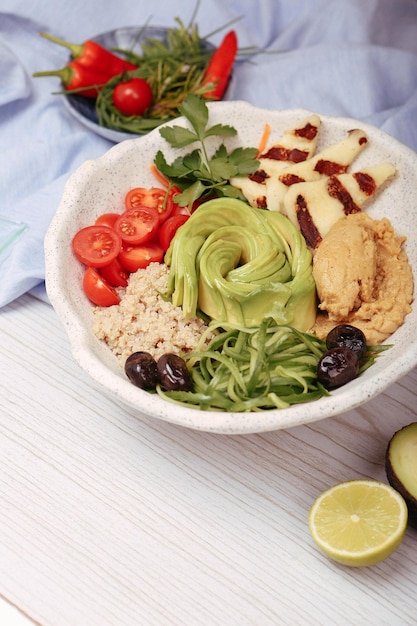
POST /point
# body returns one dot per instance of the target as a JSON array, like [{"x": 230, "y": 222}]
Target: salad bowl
[{"x": 99, "y": 186}]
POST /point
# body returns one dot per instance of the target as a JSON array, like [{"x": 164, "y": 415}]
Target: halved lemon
[{"x": 358, "y": 522}]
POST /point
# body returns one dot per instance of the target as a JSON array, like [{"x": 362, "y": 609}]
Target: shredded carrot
[
  {"x": 159, "y": 176},
  {"x": 264, "y": 139}
]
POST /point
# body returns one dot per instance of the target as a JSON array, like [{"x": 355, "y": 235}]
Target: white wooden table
[{"x": 112, "y": 518}]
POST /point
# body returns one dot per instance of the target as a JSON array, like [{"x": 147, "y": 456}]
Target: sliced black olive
[
  {"x": 141, "y": 369},
  {"x": 337, "y": 367},
  {"x": 173, "y": 373},
  {"x": 347, "y": 336}
]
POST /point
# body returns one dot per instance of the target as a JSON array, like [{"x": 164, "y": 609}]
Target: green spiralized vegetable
[
  {"x": 252, "y": 369},
  {"x": 240, "y": 265}
]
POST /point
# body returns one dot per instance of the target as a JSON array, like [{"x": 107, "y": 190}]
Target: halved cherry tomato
[
  {"x": 155, "y": 197},
  {"x": 98, "y": 290},
  {"x": 115, "y": 274},
  {"x": 107, "y": 219},
  {"x": 136, "y": 257},
  {"x": 133, "y": 96},
  {"x": 137, "y": 225},
  {"x": 96, "y": 245},
  {"x": 168, "y": 229}
]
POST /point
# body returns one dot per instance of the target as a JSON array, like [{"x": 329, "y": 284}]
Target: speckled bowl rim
[{"x": 98, "y": 186}]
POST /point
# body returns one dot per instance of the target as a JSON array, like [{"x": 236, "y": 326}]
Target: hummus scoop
[{"x": 363, "y": 277}]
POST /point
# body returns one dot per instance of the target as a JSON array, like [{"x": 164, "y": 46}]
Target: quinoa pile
[{"x": 143, "y": 321}]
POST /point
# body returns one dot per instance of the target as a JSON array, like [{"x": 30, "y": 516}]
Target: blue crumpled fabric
[{"x": 355, "y": 59}]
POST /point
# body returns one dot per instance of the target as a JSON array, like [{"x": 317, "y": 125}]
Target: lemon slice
[{"x": 358, "y": 522}]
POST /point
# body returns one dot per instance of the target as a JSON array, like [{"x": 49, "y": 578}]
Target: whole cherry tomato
[{"x": 133, "y": 96}]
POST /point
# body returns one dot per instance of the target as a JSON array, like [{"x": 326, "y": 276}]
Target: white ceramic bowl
[{"x": 99, "y": 186}]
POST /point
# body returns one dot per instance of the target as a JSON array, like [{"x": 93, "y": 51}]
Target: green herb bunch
[
  {"x": 198, "y": 174},
  {"x": 173, "y": 67}
]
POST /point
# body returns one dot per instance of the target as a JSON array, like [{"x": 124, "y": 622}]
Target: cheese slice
[
  {"x": 274, "y": 177},
  {"x": 332, "y": 160},
  {"x": 315, "y": 206},
  {"x": 363, "y": 185},
  {"x": 297, "y": 143},
  {"x": 310, "y": 207}
]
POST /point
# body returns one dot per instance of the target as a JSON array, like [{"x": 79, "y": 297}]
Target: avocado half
[{"x": 401, "y": 467}]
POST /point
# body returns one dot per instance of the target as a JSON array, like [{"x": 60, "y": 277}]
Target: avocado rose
[{"x": 239, "y": 264}]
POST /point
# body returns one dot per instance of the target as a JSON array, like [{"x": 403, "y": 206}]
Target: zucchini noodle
[{"x": 252, "y": 369}]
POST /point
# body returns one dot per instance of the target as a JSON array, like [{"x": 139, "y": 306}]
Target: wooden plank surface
[{"x": 113, "y": 518}]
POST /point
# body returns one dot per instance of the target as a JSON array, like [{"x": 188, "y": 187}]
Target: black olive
[
  {"x": 141, "y": 369},
  {"x": 337, "y": 367},
  {"x": 173, "y": 373},
  {"x": 347, "y": 336}
]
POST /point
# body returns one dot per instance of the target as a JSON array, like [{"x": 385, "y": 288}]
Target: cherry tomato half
[
  {"x": 155, "y": 197},
  {"x": 115, "y": 274},
  {"x": 136, "y": 257},
  {"x": 137, "y": 225},
  {"x": 168, "y": 229},
  {"x": 107, "y": 219},
  {"x": 96, "y": 245},
  {"x": 133, "y": 96},
  {"x": 98, "y": 290}
]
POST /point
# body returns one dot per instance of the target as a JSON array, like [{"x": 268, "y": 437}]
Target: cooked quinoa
[{"x": 143, "y": 321}]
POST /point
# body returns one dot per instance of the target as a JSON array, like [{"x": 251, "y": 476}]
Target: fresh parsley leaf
[
  {"x": 232, "y": 192},
  {"x": 221, "y": 169},
  {"x": 191, "y": 194},
  {"x": 193, "y": 161},
  {"x": 220, "y": 130},
  {"x": 178, "y": 136},
  {"x": 172, "y": 171},
  {"x": 198, "y": 174},
  {"x": 244, "y": 159},
  {"x": 195, "y": 110}
]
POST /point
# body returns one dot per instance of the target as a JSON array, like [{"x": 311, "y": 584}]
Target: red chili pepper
[
  {"x": 93, "y": 55},
  {"x": 220, "y": 66},
  {"x": 80, "y": 77}
]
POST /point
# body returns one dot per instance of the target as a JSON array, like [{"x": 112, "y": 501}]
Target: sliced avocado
[
  {"x": 239, "y": 264},
  {"x": 401, "y": 467}
]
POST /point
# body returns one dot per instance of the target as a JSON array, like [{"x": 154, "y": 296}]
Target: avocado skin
[{"x": 396, "y": 483}]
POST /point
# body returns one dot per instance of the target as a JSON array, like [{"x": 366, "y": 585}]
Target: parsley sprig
[{"x": 198, "y": 174}]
